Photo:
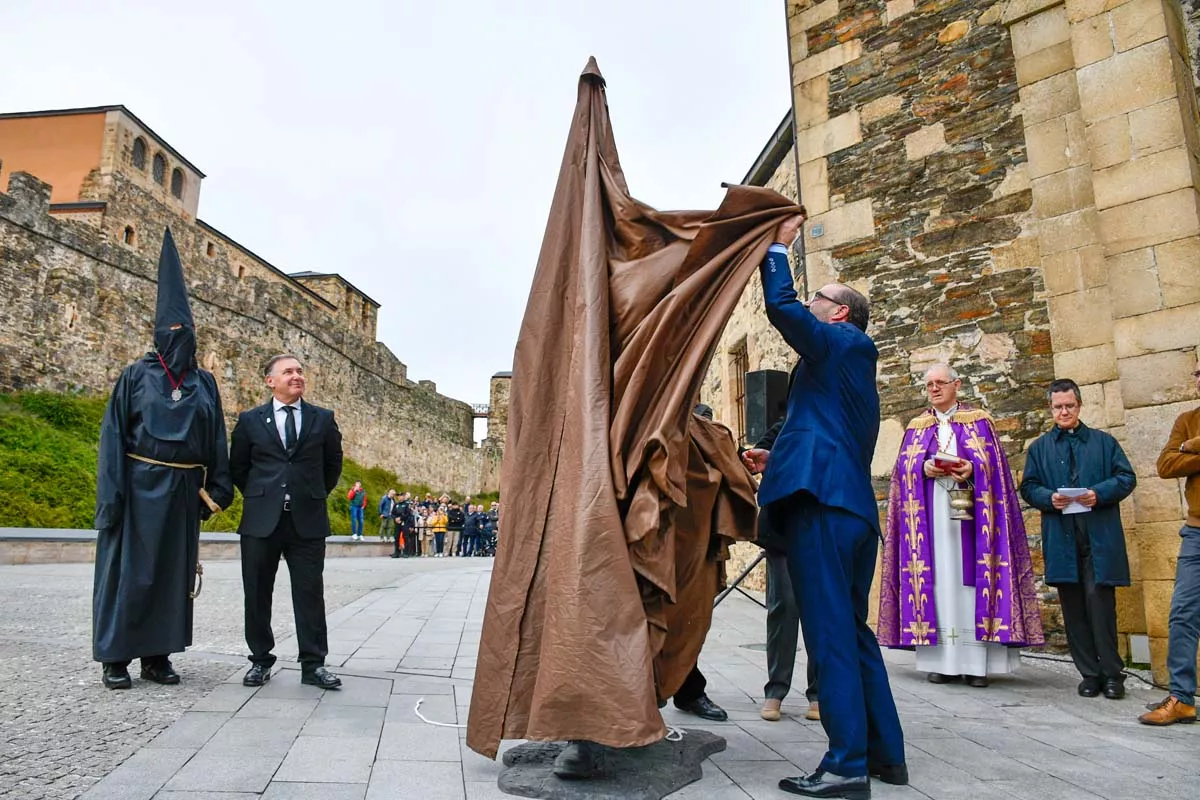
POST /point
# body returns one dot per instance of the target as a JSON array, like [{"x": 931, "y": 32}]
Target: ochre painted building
[
  {"x": 1014, "y": 185},
  {"x": 90, "y": 192}
]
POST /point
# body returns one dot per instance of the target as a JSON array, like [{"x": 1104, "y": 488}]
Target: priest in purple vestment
[{"x": 961, "y": 593}]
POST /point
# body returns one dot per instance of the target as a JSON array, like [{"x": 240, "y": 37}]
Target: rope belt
[{"x": 204, "y": 497}]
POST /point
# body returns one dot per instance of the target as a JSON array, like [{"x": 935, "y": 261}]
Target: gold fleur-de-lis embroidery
[{"x": 920, "y": 631}]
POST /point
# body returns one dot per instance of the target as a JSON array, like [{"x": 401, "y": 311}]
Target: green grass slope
[{"x": 48, "y": 447}]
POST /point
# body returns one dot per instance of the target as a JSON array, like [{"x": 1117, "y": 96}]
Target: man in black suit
[{"x": 286, "y": 457}]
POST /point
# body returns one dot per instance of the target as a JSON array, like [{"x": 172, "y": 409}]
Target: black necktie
[
  {"x": 1073, "y": 467},
  {"x": 289, "y": 427}
]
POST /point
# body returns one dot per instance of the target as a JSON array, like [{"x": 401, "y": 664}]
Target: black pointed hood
[{"x": 177, "y": 347}]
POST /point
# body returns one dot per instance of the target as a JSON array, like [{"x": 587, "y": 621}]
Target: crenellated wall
[{"x": 79, "y": 306}]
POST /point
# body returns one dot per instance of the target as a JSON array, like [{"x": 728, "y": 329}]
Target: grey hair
[
  {"x": 273, "y": 360},
  {"x": 951, "y": 372}
]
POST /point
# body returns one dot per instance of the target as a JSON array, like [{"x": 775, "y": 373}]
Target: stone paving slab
[{"x": 1026, "y": 736}]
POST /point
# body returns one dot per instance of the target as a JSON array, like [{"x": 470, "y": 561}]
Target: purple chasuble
[{"x": 995, "y": 551}]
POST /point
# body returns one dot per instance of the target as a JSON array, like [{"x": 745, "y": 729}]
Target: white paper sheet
[{"x": 1074, "y": 507}]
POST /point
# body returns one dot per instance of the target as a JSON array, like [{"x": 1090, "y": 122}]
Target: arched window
[
  {"x": 177, "y": 182},
  {"x": 139, "y": 153},
  {"x": 129, "y": 236},
  {"x": 160, "y": 168},
  {"x": 211, "y": 250}
]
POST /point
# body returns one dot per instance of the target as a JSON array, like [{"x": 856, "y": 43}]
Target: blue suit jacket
[{"x": 828, "y": 439}]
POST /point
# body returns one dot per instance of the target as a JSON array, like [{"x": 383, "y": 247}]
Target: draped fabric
[
  {"x": 626, "y": 308},
  {"x": 721, "y": 509}
]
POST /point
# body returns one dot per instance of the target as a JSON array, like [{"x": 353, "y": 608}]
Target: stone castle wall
[
  {"x": 1014, "y": 185},
  {"x": 79, "y": 306}
]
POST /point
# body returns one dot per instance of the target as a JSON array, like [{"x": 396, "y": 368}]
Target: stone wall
[
  {"x": 1114, "y": 141},
  {"x": 77, "y": 308},
  {"x": 1013, "y": 184}
]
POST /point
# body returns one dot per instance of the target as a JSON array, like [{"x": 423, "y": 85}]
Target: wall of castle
[
  {"x": 498, "y": 399},
  {"x": 79, "y": 306},
  {"x": 120, "y": 132}
]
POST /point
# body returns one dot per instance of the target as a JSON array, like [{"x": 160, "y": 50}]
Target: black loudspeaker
[{"x": 766, "y": 401}]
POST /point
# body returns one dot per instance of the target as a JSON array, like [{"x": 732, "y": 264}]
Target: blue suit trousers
[{"x": 831, "y": 560}]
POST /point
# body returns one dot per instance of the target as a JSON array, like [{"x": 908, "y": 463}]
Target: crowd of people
[{"x": 430, "y": 527}]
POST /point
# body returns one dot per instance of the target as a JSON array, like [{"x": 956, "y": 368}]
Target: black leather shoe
[
  {"x": 257, "y": 675},
  {"x": 937, "y": 677},
  {"x": 1114, "y": 688},
  {"x": 579, "y": 761},
  {"x": 321, "y": 677},
  {"x": 895, "y": 774},
  {"x": 117, "y": 677},
  {"x": 826, "y": 784},
  {"x": 978, "y": 681},
  {"x": 1089, "y": 687},
  {"x": 160, "y": 672},
  {"x": 704, "y": 708}
]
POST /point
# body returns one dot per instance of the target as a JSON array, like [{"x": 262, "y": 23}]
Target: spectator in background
[
  {"x": 439, "y": 530},
  {"x": 358, "y": 498},
  {"x": 426, "y": 522},
  {"x": 402, "y": 521},
  {"x": 455, "y": 519},
  {"x": 470, "y": 534},
  {"x": 387, "y": 525},
  {"x": 494, "y": 521}
]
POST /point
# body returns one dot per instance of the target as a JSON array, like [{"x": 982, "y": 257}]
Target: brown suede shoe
[
  {"x": 1169, "y": 712},
  {"x": 770, "y": 710},
  {"x": 814, "y": 711}
]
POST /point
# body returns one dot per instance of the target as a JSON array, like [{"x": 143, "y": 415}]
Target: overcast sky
[{"x": 413, "y": 147}]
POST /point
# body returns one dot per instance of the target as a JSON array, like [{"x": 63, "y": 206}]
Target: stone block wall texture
[
  {"x": 79, "y": 306},
  {"x": 1014, "y": 185}
]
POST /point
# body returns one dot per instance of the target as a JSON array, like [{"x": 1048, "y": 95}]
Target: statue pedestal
[{"x": 636, "y": 773}]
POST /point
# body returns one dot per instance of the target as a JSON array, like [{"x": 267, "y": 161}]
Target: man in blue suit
[{"x": 817, "y": 489}]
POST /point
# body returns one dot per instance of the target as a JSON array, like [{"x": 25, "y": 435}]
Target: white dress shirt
[{"x": 281, "y": 418}]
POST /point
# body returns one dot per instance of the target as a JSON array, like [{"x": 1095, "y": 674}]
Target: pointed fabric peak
[
  {"x": 173, "y": 307},
  {"x": 178, "y": 346},
  {"x": 592, "y": 71}
]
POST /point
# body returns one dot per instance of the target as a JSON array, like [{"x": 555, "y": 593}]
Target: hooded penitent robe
[
  {"x": 148, "y": 516},
  {"x": 626, "y": 309}
]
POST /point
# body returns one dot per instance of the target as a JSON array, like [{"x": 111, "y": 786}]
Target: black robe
[{"x": 148, "y": 516}]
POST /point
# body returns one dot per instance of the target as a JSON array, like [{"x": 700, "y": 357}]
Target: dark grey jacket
[{"x": 1103, "y": 468}]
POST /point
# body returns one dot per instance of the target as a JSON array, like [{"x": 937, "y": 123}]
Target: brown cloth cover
[
  {"x": 721, "y": 509},
  {"x": 626, "y": 308}
]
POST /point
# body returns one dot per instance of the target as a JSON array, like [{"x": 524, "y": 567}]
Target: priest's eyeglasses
[{"x": 937, "y": 383}]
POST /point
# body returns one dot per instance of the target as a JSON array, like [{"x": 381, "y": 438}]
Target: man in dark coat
[
  {"x": 783, "y": 615},
  {"x": 163, "y": 468},
  {"x": 470, "y": 533},
  {"x": 286, "y": 457},
  {"x": 1083, "y": 541}
]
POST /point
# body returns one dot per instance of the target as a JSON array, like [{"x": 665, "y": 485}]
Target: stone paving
[
  {"x": 60, "y": 731},
  {"x": 415, "y": 638}
]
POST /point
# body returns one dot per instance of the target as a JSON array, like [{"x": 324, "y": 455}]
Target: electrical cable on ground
[{"x": 427, "y": 721}]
